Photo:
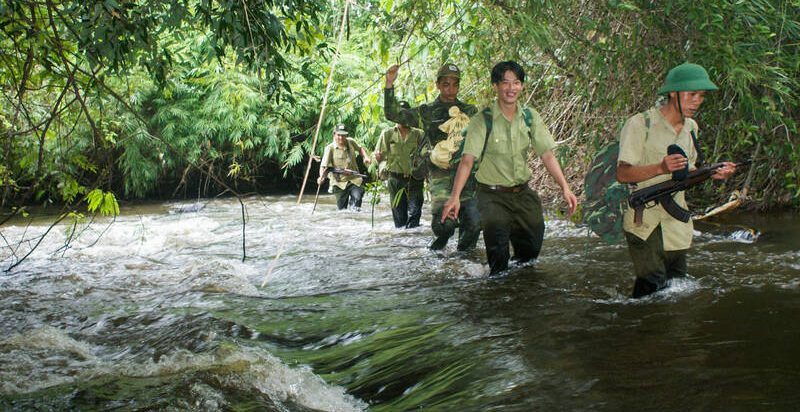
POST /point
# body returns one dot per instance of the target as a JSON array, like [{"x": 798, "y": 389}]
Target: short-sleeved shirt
[
  {"x": 342, "y": 157},
  {"x": 398, "y": 150},
  {"x": 505, "y": 161},
  {"x": 639, "y": 146}
]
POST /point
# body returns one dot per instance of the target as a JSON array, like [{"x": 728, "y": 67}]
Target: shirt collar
[{"x": 497, "y": 113}]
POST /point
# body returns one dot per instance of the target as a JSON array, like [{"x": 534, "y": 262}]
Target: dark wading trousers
[
  {"x": 510, "y": 217},
  {"x": 652, "y": 265},
  {"x": 350, "y": 196},
  {"x": 409, "y": 206},
  {"x": 469, "y": 226}
]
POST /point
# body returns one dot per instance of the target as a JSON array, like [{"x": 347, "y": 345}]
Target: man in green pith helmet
[
  {"x": 659, "y": 244},
  {"x": 394, "y": 151},
  {"x": 429, "y": 117},
  {"x": 338, "y": 165},
  {"x": 510, "y": 211}
]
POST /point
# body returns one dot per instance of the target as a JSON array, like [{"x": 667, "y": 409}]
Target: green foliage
[
  {"x": 83, "y": 81},
  {"x": 104, "y": 202},
  {"x": 134, "y": 96},
  {"x": 374, "y": 190}
]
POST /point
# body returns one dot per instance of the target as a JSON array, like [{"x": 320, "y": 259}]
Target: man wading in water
[
  {"x": 510, "y": 211},
  {"x": 658, "y": 245},
  {"x": 396, "y": 147},
  {"x": 341, "y": 155},
  {"x": 429, "y": 117}
]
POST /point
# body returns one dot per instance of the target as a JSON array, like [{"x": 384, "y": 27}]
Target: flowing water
[{"x": 157, "y": 311}]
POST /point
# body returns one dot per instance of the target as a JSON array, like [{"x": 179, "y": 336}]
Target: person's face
[
  {"x": 340, "y": 139},
  {"x": 690, "y": 101},
  {"x": 448, "y": 88},
  {"x": 508, "y": 89}
]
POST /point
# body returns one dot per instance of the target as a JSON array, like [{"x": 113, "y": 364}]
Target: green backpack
[{"x": 606, "y": 198}]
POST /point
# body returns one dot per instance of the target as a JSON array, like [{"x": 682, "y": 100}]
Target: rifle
[
  {"x": 345, "y": 172},
  {"x": 662, "y": 193}
]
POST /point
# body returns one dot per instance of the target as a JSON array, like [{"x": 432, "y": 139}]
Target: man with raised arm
[
  {"x": 429, "y": 117},
  {"x": 510, "y": 211}
]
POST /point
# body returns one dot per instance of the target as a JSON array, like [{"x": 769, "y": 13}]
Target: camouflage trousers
[
  {"x": 469, "y": 220},
  {"x": 652, "y": 265}
]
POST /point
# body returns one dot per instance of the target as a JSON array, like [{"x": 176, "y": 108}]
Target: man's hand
[
  {"x": 450, "y": 210},
  {"x": 378, "y": 155},
  {"x": 725, "y": 171},
  {"x": 572, "y": 201},
  {"x": 673, "y": 162},
  {"x": 320, "y": 180},
  {"x": 391, "y": 75},
  {"x": 367, "y": 160}
]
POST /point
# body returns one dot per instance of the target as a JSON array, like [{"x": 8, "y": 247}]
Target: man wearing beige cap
[
  {"x": 340, "y": 167},
  {"x": 429, "y": 117}
]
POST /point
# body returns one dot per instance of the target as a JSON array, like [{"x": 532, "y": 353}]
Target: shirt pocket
[
  {"x": 498, "y": 145},
  {"x": 653, "y": 154}
]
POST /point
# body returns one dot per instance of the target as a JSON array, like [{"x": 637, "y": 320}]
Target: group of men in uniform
[{"x": 490, "y": 191}]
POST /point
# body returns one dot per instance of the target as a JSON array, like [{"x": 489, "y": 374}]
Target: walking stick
[{"x": 316, "y": 198}]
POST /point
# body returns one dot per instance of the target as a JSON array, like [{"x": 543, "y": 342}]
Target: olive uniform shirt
[
  {"x": 398, "y": 150},
  {"x": 636, "y": 151},
  {"x": 505, "y": 161},
  {"x": 342, "y": 157}
]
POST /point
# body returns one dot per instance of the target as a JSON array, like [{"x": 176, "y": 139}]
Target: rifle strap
[{"x": 700, "y": 157}]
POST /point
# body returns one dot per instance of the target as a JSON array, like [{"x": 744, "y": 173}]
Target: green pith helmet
[{"x": 687, "y": 77}]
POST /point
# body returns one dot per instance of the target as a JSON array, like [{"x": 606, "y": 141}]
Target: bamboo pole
[{"x": 324, "y": 99}]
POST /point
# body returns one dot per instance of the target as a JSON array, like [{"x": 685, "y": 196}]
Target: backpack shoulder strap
[
  {"x": 487, "y": 119},
  {"x": 351, "y": 149},
  {"x": 527, "y": 116},
  {"x": 700, "y": 157}
]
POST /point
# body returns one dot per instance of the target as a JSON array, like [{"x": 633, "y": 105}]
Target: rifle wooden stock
[{"x": 662, "y": 193}]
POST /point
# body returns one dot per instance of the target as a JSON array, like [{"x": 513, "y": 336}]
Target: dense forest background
[{"x": 116, "y": 99}]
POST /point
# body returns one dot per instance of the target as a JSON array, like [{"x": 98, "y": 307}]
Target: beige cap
[{"x": 340, "y": 129}]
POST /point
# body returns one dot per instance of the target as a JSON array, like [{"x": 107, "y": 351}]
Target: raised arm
[{"x": 391, "y": 107}]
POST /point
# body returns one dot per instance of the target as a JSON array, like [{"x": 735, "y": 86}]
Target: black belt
[
  {"x": 505, "y": 189},
  {"x": 399, "y": 175}
]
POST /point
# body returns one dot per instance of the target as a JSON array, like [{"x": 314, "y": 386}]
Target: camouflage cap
[
  {"x": 448, "y": 70},
  {"x": 340, "y": 129}
]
